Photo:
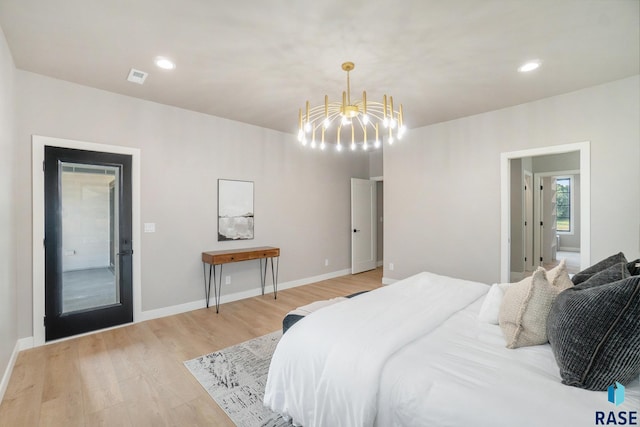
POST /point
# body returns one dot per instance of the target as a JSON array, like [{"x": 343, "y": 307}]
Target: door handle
[
  {"x": 129, "y": 252},
  {"x": 355, "y": 231}
]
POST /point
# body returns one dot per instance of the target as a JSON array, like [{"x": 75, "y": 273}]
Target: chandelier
[{"x": 354, "y": 123}]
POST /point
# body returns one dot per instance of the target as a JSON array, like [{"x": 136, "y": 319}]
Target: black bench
[{"x": 299, "y": 313}]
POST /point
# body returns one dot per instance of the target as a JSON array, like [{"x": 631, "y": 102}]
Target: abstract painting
[{"x": 235, "y": 210}]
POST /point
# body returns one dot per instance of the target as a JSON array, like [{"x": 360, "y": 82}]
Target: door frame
[
  {"x": 585, "y": 200},
  {"x": 38, "y": 143},
  {"x": 379, "y": 221},
  {"x": 527, "y": 230}
]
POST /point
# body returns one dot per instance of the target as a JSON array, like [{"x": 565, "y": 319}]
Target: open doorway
[
  {"x": 544, "y": 192},
  {"x": 558, "y": 231},
  {"x": 558, "y": 237}
]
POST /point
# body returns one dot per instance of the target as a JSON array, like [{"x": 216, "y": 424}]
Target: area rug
[{"x": 235, "y": 377}]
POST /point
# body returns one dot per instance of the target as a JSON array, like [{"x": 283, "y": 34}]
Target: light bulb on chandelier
[{"x": 359, "y": 115}]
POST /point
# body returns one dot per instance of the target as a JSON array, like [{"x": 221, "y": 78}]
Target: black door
[{"x": 88, "y": 248}]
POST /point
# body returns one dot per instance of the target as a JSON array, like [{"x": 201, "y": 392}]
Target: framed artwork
[{"x": 235, "y": 210}]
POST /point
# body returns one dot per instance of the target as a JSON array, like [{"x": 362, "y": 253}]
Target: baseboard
[
  {"x": 7, "y": 372},
  {"x": 379, "y": 263},
  {"x": 171, "y": 310},
  {"x": 27, "y": 343},
  {"x": 195, "y": 305},
  {"x": 388, "y": 281}
]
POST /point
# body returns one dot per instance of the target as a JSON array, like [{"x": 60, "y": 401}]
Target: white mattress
[{"x": 461, "y": 374}]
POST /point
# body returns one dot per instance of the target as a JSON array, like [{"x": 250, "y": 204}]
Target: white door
[
  {"x": 545, "y": 230},
  {"x": 528, "y": 222},
  {"x": 538, "y": 202},
  {"x": 363, "y": 225}
]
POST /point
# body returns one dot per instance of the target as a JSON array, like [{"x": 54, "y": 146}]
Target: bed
[{"x": 438, "y": 365}]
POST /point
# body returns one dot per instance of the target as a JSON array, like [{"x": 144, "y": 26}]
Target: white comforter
[
  {"x": 462, "y": 374},
  {"x": 326, "y": 369}
]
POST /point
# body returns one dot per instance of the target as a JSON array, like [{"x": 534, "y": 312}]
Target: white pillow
[
  {"x": 491, "y": 306},
  {"x": 490, "y": 310}
]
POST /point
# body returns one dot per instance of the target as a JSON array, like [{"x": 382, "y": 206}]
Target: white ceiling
[{"x": 259, "y": 61}]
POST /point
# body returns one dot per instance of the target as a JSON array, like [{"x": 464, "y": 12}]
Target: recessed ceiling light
[
  {"x": 165, "y": 63},
  {"x": 529, "y": 66}
]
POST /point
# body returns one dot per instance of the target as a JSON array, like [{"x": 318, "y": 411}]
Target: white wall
[
  {"x": 442, "y": 182},
  {"x": 556, "y": 162},
  {"x": 8, "y": 313},
  {"x": 301, "y": 196}
]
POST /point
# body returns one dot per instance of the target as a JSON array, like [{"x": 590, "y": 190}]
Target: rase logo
[{"x": 615, "y": 395}]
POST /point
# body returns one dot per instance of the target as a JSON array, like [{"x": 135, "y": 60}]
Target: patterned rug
[{"x": 235, "y": 377}]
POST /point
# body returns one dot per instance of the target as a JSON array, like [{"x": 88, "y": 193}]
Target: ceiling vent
[{"x": 137, "y": 76}]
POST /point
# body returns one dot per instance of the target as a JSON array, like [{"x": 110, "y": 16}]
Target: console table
[{"x": 218, "y": 258}]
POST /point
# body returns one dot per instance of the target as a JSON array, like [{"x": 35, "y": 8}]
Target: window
[{"x": 563, "y": 204}]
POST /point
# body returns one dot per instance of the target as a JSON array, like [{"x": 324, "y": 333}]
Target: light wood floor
[{"x": 134, "y": 375}]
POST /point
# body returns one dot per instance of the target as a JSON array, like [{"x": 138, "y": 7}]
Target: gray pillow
[
  {"x": 595, "y": 334},
  {"x": 596, "y": 268},
  {"x": 612, "y": 274},
  {"x": 634, "y": 267}
]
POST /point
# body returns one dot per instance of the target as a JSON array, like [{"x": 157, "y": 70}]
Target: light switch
[{"x": 149, "y": 227}]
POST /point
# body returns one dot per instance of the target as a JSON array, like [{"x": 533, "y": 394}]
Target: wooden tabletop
[{"x": 243, "y": 254}]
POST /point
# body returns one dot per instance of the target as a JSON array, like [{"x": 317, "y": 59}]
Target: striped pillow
[{"x": 594, "y": 332}]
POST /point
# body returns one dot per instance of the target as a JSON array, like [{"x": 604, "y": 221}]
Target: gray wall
[
  {"x": 442, "y": 183},
  {"x": 8, "y": 314},
  {"x": 556, "y": 162},
  {"x": 302, "y": 201},
  {"x": 375, "y": 163}
]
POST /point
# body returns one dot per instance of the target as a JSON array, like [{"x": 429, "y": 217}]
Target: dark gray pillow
[
  {"x": 596, "y": 268},
  {"x": 595, "y": 334},
  {"x": 612, "y": 274},
  {"x": 634, "y": 267}
]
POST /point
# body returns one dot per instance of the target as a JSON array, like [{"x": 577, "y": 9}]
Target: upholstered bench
[{"x": 299, "y": 313}]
